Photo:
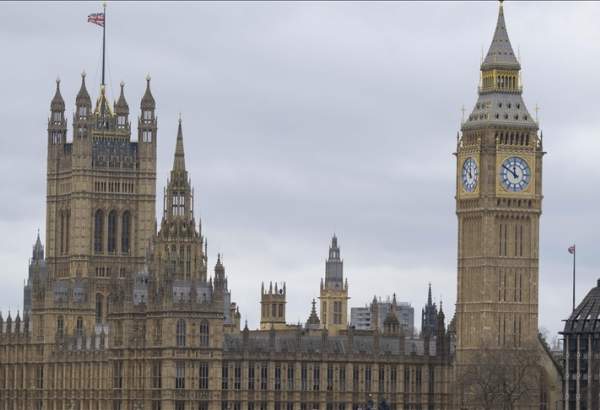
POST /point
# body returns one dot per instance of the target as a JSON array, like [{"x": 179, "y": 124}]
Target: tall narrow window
[
  {"x": 180, "y": 375},
  {"x": 203, "y": 376},
  {"x": 112, "y": 231},
  {"x": 157, "y": 331},
  {"x": 264, "y": 376},
  {"x": 304, "y": 377},
  {"x": 278, "y": 376},
  {"x": 60, "y": 326},
  {"x": 67, "y": 231},
  {"x": 62, "y": 233},
  {"x": 117, "y": 374},
  {"x": 337, "y": 313},
  {"x": 204, "y": 333},
  {"x": 251, "y": 368},
  {"x": 316, "y": 377},
  {"x": 98, "y": 230},
  {"x": 156, "y": 375},
  {"x": 79, "y": 326},
  {"x": 225, "y": 376},
  {"x": 180, "y": 333},
  {"x": 237, "y": 376},
  {"x": 290, "y": 377},
  {"x": 39, "y": 376},
  {"x": 125, "y": 231}
]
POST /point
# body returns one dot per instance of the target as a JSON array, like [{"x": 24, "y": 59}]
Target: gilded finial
[
  {"x": 57, "y": 80},
  {"x": 122, "y": 84},
  {"x": 148, "y": 78},
  {"x": 179, "y": 117},
  {"x": 83, "y": 74}
]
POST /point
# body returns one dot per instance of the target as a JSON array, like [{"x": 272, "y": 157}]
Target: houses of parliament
[{"x": 124, "y": 313}]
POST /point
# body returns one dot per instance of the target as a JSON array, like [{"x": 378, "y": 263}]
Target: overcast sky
[{"x": 305, "y": 119}]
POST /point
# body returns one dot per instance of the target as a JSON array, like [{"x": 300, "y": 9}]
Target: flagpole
[
  {"x": 103, "y": 42},
  {"x": 574, "y": 253}
]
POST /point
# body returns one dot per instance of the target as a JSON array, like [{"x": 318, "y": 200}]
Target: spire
[
  {"x": 148, "y": 100},
  {"x": 57, "y": 104},
  {"x": 219, "y": 268},
  {"x": 121, "y": 106},
  {"x": 83, "y": 97},
  {"x": 500, "y": 54},
  {"x": 102, "y": 106},
  {"x": 38, "y": 248},
  {"x": 179, "y": 160},
  {"x": 429, "y": 299},
  {"x": 313, "y": 321}
]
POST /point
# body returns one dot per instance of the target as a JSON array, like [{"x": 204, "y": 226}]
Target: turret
[
  {"x": 122, "y": 110},
  {"x": 273, "y": 301},
  {"x": 83, "y": 102},
  {"x": 391, "y": 324},
  {"x": 220, "y": 280},
  {"x": 147, "y": 128},
  {"x": 334, "y": 292},
  {"x": 57, "y": 124}
]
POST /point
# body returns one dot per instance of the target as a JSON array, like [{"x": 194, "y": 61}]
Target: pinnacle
[
  {"x": 179, "y": 160},
  {"x": 148, "y": 100},
  {"x": 57, "y": 104},
  {"x": 121, "y": 106},
  {"x": 83, "y": 96}
]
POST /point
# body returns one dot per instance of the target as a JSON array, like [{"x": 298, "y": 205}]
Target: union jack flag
[
  {"x": 96, "y": 18},
  {"x": 572, "y": 249}
]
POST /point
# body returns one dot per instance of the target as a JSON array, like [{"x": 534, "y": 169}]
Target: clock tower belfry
[{"x": 498, "y": 205}]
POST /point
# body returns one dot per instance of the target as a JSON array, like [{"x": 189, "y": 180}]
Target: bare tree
[{"x": 498, "y": 379}]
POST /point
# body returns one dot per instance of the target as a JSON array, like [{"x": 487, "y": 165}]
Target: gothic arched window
[
  {"x": 60, "y": 326},
  {"x": 98, "y": 230},
  {"x": 79, "y": 326},
  {"x": 99, "y": 303},
  {"x": 204, "y": 333},
  {"x": 125, "y": 232},
  {"x": 180, "y": 333},
  {"x": 112, "y": 231}
]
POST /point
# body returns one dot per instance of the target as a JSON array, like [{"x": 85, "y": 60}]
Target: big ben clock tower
[{"x": 498, "y": 204}]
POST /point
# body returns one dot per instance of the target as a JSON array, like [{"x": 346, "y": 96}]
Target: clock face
[
  {"x": 515, "y": 174},
  {"x": 470, "y": 174}
]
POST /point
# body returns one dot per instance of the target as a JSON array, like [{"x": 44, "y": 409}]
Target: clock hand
[{"x": 509, "y": 170}]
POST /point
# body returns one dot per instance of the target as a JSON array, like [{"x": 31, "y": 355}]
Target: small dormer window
[
  {"x": 57, "y": 116},
  {"x": 121, "y": 121},
  {"x": 83, "y": 111},
  {"x": 147, "y": 115}
]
